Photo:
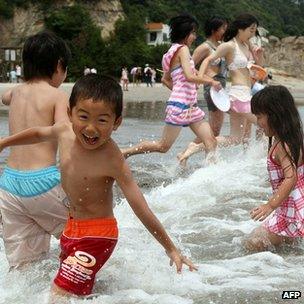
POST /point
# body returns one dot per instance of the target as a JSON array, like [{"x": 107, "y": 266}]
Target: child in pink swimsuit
[
  {"x": 181, "y": 78},
  {"x": 277, "y": 115}
]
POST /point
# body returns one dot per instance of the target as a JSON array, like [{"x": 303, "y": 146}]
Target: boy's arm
[
  {"x": 61, "y": 107},
  {"x": 6, "y": 97},
  {"x": 30, "y": 136},
  {"x": 140, "y": 207}
]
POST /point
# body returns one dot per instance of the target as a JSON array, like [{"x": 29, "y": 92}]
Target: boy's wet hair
[
  {"x": 181, "y": 27},
  {"x": 98, "y": 88},
  {"x": 283, "y": 118},
  {"x": 240, "y": 23},
  {"x": 41, "y": 53},
  {"x": 213, "y": 24}
]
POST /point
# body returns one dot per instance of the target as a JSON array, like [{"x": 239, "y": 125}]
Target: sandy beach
[{"x": 160, "y": 93}]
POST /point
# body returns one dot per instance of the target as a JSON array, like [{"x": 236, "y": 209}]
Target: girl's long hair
[
  {"x": 240, "y": 23},
  {"x": 181, "y": 26},
  {"x": 283, "y": 118}
]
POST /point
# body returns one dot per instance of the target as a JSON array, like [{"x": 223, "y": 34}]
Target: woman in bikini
[{"x": 239, "y": 55}]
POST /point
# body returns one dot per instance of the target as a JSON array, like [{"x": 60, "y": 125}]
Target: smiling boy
[{"x": 90, "y": 162}]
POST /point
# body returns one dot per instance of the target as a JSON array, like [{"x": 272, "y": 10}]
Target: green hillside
[
  {"x": 127, "y": 45},
  {"x": 280, "y": 17}
]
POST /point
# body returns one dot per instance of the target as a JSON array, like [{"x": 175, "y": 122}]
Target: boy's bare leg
[
  {"x": 170, "y": 133},
  {"x": 59, "y": 295}
]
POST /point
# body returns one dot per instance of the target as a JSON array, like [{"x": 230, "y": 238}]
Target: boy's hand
[
  {"x": 261, "y": 212},
  {"x": 179, "y": 260}
]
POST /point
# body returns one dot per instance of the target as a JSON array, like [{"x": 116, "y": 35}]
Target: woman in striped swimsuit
[
  {"x": 277, "y": 115},
  {"x": 180, "y": 76}
]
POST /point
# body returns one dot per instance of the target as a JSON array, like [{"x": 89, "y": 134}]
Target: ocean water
[{"x": 205, "y": 209}]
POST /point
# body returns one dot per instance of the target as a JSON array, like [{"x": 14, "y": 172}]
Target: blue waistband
[
  {"x": 180, "y": 105},
  {"x": 29, "y": 183}
]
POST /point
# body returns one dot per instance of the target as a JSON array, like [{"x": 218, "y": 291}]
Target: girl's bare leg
[
  {"x": 203, "y": 131},
  {"x": 205, "y": 141},
  {"x": 170, "y": 133},
  {"x": 216, "y": 119},
  {"x": 192, "y": 148},
  {"x": 260, "y": 239},
  {"x": 238, "y": 123}
]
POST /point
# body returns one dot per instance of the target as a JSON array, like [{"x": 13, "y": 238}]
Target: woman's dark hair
[
  {"x": 283, "y": 118},
  {"x": 240, "y": 23},
  {"x": 213, "y": 24},
  {"x": 98, "y": 88},
  {"x": 181, "y": 26},
  {"x": 41, "y": 54}
]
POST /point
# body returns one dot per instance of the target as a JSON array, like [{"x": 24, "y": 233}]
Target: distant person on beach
[
  {"x": 138, "y": 76},
  {"x": 133, "y": 74},
  {"x": 31, "y": 198},
  {"x": 18, "y": 73},
  {"x": 13, "y": 76},
  {"x": 153, "y": 75},
  {"x": 90, "y": 162},
  {"x": 239, "y": 55},
  {"x": 180, "y": 77},
  {"x": 124, "y": 79},
  {"x": 86, "y": 71},
  {"x": 278, "y": 116},
  {"x": 148, "y": 75}
]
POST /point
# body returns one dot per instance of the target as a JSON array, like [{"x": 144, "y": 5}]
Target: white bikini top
[{"x": 240, "y": 60}]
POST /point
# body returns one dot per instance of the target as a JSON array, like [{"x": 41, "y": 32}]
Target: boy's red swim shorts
[{"x": 86, "y": 245}]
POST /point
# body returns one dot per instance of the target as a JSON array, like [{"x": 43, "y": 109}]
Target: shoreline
[{"x": 158, "y": 92}]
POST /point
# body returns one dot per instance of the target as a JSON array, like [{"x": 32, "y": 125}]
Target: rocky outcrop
[
  {"x": 26, "y": 22},
  {"x": 105, "y": 14},
  {"x": 286, "y": 54}
]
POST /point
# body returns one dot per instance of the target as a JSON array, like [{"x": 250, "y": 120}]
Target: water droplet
[
  {"x": 80, "y": 199},
  {"x": 88, "y": 189}
]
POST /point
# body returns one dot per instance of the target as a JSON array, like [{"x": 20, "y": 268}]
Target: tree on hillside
[{"x": 75, "y": 26}]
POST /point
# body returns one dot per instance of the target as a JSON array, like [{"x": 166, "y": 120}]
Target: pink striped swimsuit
[
  {"x": 288, "y": 219},
  {"x": 182, "y": 109}
]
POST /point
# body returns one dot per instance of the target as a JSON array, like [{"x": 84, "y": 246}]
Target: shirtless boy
[
  {"x": 90, "y": 162},
  {"x": 31, "y": 198}
]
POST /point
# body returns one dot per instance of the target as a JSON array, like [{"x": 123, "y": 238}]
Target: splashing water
[{"x": 206, "y": 212}]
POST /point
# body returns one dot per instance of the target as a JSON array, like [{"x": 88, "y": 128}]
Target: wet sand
[{"x": 160, "y": 93}]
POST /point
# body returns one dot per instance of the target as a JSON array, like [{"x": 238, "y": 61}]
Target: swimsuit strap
[
  {"x": 271, "y": 153},
  {"x": 210, "y": 45}
]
